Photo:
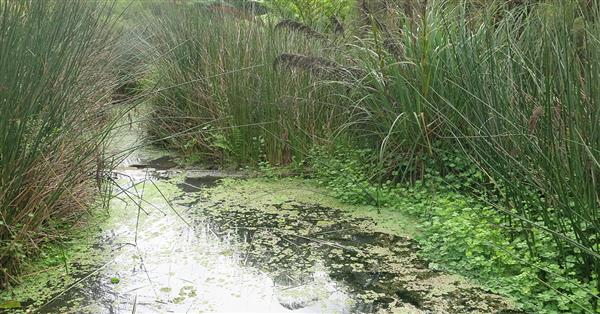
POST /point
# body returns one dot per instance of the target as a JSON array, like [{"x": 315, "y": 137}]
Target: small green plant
[
  {"x": 266, "y": 169},
  {"x": 463, "y": 233}
]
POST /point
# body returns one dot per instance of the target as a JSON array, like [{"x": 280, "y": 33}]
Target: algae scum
[{"x": 179, "y": 241}]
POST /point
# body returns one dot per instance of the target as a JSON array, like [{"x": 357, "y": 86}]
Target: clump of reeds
[
  {"x": 314, "y": 64},
  {"x": 230, "y": 104},
  {"x": 519, "y": 95},
  {"x": 54, "y": 87},
  {"x": 319, "y": 66}
]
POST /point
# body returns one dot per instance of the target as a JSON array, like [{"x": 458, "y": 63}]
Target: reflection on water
[{"x": 165, "y": 264}]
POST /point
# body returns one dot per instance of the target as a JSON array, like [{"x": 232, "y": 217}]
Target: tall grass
[
  {"x": 54, "y": 86},
  {"x": 233, "y": 87},
  {"x": 535, "y": 129},
  {"x": 516, "y": 88}
]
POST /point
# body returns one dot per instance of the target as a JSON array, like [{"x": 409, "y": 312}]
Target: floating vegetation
[{"x": 293, "y": 241}]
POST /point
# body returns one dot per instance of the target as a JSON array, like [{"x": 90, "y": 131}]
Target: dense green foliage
[
  {"x": 479, "y": 117},
  {"x": 519, "y": 96},
  {"x": 463, "y": 233},
  {"x": 53, "y": 89}
]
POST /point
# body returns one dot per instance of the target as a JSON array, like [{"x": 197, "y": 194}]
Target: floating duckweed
[
  {"x": 289, "y": 239},
  {"x": 10, "y": 304},
  {"x": 178, "y": 299},
  {"x": 303, "y": 241}
]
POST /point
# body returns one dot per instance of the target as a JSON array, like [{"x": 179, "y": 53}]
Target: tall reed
[
  {"x": 54, "y": 87},
  {"x": 233, "y": 87},
  {"x": 515, "y": 87},
  {"x": 535, "y": 129}
]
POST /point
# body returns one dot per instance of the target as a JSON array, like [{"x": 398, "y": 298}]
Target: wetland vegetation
[{"x": 408, "y": 156}]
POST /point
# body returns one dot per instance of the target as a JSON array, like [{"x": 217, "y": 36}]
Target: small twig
[
  {"x": 143, "y": 265},
  {"x": 128, "y": 195},
  {"x": 141, "y": 197},
  {"x": 134, "y": 305}
]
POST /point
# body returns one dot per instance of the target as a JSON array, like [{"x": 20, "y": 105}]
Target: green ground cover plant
[{"x": 462, "y": 232}]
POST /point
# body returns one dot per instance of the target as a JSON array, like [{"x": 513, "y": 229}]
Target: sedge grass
[
  {"x": 233, "y": 83},
  {"x": 55, "y": 85},
  {"x": 515, "y": 87}
]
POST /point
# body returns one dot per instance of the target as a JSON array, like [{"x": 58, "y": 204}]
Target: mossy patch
[{"x": 61, "y": 264}]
